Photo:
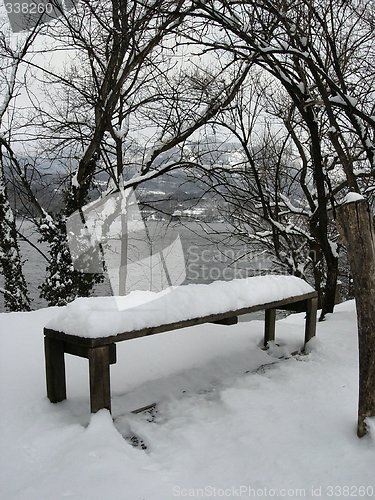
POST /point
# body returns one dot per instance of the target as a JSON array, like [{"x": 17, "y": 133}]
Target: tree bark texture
[
  {"x": 355, "y": 223},
  {"x": 330, "y": 288}
]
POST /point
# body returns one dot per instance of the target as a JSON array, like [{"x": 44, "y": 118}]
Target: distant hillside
[{"x": 165, "y": 193}]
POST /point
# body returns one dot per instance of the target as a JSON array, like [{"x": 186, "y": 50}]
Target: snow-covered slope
[{"x": 232, "y": 421}]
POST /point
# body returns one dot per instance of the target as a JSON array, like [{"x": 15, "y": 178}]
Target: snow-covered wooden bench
[{"x": 91, "y": 327}]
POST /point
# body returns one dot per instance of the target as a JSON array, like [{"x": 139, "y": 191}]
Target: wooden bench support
[
  {"x": 55, "y": 369},
  {"x": 269, "y": 326},
  {"x": 100, "y": 359},
  {"x": 101, "y": 351},
  {"x": 310, "y": 321},
  {"x": 99, "y": 370},
  {"x": 311, "y": 308}
]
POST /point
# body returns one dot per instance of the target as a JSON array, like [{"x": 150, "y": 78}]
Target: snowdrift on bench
[{"x": 105, "y": 316}]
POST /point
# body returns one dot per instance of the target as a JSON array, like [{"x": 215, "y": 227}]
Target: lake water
[{"x": 206, "y": 254}]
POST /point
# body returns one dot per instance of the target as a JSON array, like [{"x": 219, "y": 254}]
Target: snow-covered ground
[{"x": 231, "y": 421}]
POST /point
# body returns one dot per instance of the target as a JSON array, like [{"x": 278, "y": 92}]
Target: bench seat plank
[
  {"x": 297, "y": 303},
  {"x": 99, "y": 317}
]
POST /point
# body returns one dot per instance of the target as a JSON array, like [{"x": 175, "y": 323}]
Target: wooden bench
[{"x": 101, "y": 351}]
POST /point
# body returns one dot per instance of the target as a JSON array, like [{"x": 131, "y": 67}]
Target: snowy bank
[{"x": 232, "y": 421}]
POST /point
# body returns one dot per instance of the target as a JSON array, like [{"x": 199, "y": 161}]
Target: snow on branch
[
  {"x": 293, "y": 208},
  {"x": 291, "y": 229}
]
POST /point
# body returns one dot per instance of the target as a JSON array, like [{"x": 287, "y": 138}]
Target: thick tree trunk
[
  {"x": 356, "y": 226},
  {"x": 319, "y": 221}
]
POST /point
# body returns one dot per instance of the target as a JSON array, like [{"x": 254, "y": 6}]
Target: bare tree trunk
[
  {"x": 356, "y": 226},
  {"x": 330, "y": 288},
  {"x": 124, "y": 244}
]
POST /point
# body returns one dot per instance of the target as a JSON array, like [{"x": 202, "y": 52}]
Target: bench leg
[
  {"x": 310, "y": 325},
  {"x": 269, "y": 326},
  {"x": 55, "y": 369},
  {"x": 99, "y": 365}
]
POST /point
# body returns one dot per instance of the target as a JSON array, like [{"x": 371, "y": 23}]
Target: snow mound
[
  {"x": 104, "y": 316},
  {"x": 352, "y": 198}
]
